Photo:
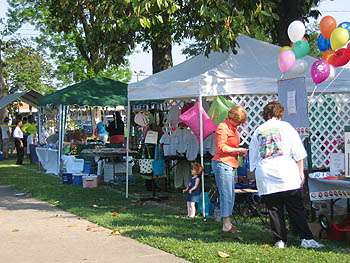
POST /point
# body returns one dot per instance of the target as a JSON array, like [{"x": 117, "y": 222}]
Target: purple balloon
[{"x": 320, "y": 70}]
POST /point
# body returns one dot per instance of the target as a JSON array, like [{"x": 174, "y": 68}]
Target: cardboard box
[{"x": 90, "y": 181}]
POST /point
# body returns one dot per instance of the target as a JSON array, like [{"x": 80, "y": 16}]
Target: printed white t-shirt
[{"x": 273, "y": 152}]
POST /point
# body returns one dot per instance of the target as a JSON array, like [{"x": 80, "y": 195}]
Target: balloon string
[
  {"x": 313, "y": 92},
  {"x": 330, "y": 83}
]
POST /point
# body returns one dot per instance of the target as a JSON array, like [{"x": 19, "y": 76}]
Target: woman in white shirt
[
  {"x": 18, "y": 136},
  {"x": 277, "y": 154}
]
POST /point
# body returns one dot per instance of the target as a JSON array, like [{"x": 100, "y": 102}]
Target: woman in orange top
[{"x": 225, "y": 161}]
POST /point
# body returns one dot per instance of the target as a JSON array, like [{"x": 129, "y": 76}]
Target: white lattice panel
[
  {"x": 253, "y": 104},
  {"x": 328, "y": 114}
]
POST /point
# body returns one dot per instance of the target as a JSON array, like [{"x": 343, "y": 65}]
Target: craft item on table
[
  {"x": 191, "y": 119},
  {"x": 182, "y": 174},
  {"x": 219, "y": 109},
  {"x": 141, "y": 119}
]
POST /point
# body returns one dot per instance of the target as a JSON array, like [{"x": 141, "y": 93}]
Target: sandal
[{"x": 232, "y": 230}]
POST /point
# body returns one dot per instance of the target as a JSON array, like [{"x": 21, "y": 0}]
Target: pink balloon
[
  {"x": 286, "y": 60},
  {"x": 320, "y": 70}
]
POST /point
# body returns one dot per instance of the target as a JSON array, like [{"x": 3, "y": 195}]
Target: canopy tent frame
[
  {"x": 62, "y": 101},
  {"x": 201, "y": 146}
]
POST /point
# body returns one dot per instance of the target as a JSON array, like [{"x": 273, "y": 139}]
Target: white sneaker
[
  {"x": 310, "y": 243},
  {"x": 280, "y": 244}
]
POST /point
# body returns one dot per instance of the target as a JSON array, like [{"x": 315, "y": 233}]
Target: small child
[{"x": 193, "y": 190}]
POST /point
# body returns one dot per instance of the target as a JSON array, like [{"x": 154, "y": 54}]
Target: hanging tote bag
[
  {"x": 219, "y": 109},
  {"x": 158, "y": 163},
  {"x": 146, "y": 163}
]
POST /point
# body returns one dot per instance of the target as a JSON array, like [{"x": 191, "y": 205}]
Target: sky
[{"x": 142, "y": 61}]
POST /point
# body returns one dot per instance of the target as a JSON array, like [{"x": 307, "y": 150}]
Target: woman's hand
[
  {"x": 242, "y": 151},
  {"x": 184, "y": 190}
]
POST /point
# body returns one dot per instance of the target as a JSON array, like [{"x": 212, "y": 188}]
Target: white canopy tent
[{"x": 253, "y": 70}]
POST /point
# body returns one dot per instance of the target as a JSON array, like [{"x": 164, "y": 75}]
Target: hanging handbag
[
  {"x": 146, "y": 162},
  {"x": 158, "y": 163}
]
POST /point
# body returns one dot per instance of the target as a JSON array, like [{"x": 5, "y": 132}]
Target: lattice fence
[{"x": 328, "y": 114}]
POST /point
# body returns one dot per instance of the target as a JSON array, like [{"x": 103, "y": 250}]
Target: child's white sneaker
[
  {"x": 310, "y": 243},
  {"x": 280, "y": 244}
]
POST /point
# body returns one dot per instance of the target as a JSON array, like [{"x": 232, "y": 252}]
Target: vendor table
[
  {"x": 321, "y": 188},
  {"x": 114, "y": 154}
]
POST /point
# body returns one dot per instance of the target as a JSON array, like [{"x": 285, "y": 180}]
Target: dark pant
[
  {"x": 293, "y": 202},
  {"x": 19, "y": 150}
]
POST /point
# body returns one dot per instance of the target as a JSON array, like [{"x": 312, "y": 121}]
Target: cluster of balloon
[
  {"x": 333, "y": 43},
  {"x": 290, "y": 58}
]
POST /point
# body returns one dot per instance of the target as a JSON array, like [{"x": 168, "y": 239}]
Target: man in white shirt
[
  {"x": 277, "y": 154},
  {"x": 18, "y": 136}
]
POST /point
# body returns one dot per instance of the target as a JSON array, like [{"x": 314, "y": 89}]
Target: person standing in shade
[
  {"x": 115, "y": 129},
  {"x": 5, "y": 134},
  {"x": 225, "y": 162},
  {"x": 276, "y": 154},
  {"x": 18, "y": 137}
]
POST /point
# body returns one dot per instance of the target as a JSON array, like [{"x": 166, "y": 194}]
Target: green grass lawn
[{"x": 162, "y": 227}]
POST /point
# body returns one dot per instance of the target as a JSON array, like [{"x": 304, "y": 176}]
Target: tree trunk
[
  {"x": 289, "y": 10},
  {"x": 3, "y": 111},
  {"x": 161, "y": 54}
]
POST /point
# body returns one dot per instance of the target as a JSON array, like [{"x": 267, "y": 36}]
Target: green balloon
[{"x": 301, "y": 48}]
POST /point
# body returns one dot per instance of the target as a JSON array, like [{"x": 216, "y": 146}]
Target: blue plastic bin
[
  {"x": 78, "y": 179},
  {"x": 67, "y": 178},
  {"x": 87, "y": 167}
]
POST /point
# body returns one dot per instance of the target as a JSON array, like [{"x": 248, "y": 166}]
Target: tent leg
[
  {"x": 127, "y": 151},
  {"x": 202, "y": 151},
  {"x": 60, "y": 137}
]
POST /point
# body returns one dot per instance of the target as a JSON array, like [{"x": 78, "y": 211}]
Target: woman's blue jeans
[{"x": 224, "y": 177}]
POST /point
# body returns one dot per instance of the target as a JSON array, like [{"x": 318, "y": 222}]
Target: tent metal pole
[
  {"x": 127, "y": 151},
  {"x": 39, "y": 125},
  {"x": 201, "y": 151},
  {"x": 60, "y": 119}
]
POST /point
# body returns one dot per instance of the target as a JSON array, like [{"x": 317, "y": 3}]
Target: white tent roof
[{"x": 253, "y": 70}]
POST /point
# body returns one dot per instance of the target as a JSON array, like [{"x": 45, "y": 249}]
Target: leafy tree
[
  {"x": 84, "y": 38},
  {"x": 25, "y": 68}
]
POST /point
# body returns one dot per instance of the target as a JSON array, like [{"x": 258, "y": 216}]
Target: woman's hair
[
  {"x": 197, "y": 168},
  {"x": 18, "y": 122},
  {"x": 273, "y": 109},
  {"x": 237, "y": 114}
]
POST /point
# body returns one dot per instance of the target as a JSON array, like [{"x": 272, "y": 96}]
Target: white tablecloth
[{"x": 48, "y": 159}]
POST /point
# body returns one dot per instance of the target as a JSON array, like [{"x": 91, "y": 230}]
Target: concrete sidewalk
[{"x": 34, "y": 231}]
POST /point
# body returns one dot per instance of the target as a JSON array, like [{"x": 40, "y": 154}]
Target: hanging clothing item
[
  {"x": 181, "y": 136},
  {"x": 209, "y": 144},
  {"x": 192, "y": 147},
  {"x": 169, "y": 143},
  {"x": 182, "y": 174},
  {"x": 173, "y": 116}
]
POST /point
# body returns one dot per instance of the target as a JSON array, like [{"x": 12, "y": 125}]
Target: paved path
[{"x": 34, "y": 231}]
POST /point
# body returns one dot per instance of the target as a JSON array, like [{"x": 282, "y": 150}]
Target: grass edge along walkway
[{"x": 160, "y": 227}]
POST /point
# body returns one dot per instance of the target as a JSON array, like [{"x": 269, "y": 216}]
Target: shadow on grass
[{"x": 133, "y": 218}]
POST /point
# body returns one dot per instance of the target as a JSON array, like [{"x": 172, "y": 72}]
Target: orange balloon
[
  {"x": 327, "y": 25},
  {"x": 327, "y": 55}
]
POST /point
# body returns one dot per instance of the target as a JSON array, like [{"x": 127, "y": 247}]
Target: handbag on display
[
  {"x": 146, "y": 163},
  {"x": 159, "y": 162}
]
